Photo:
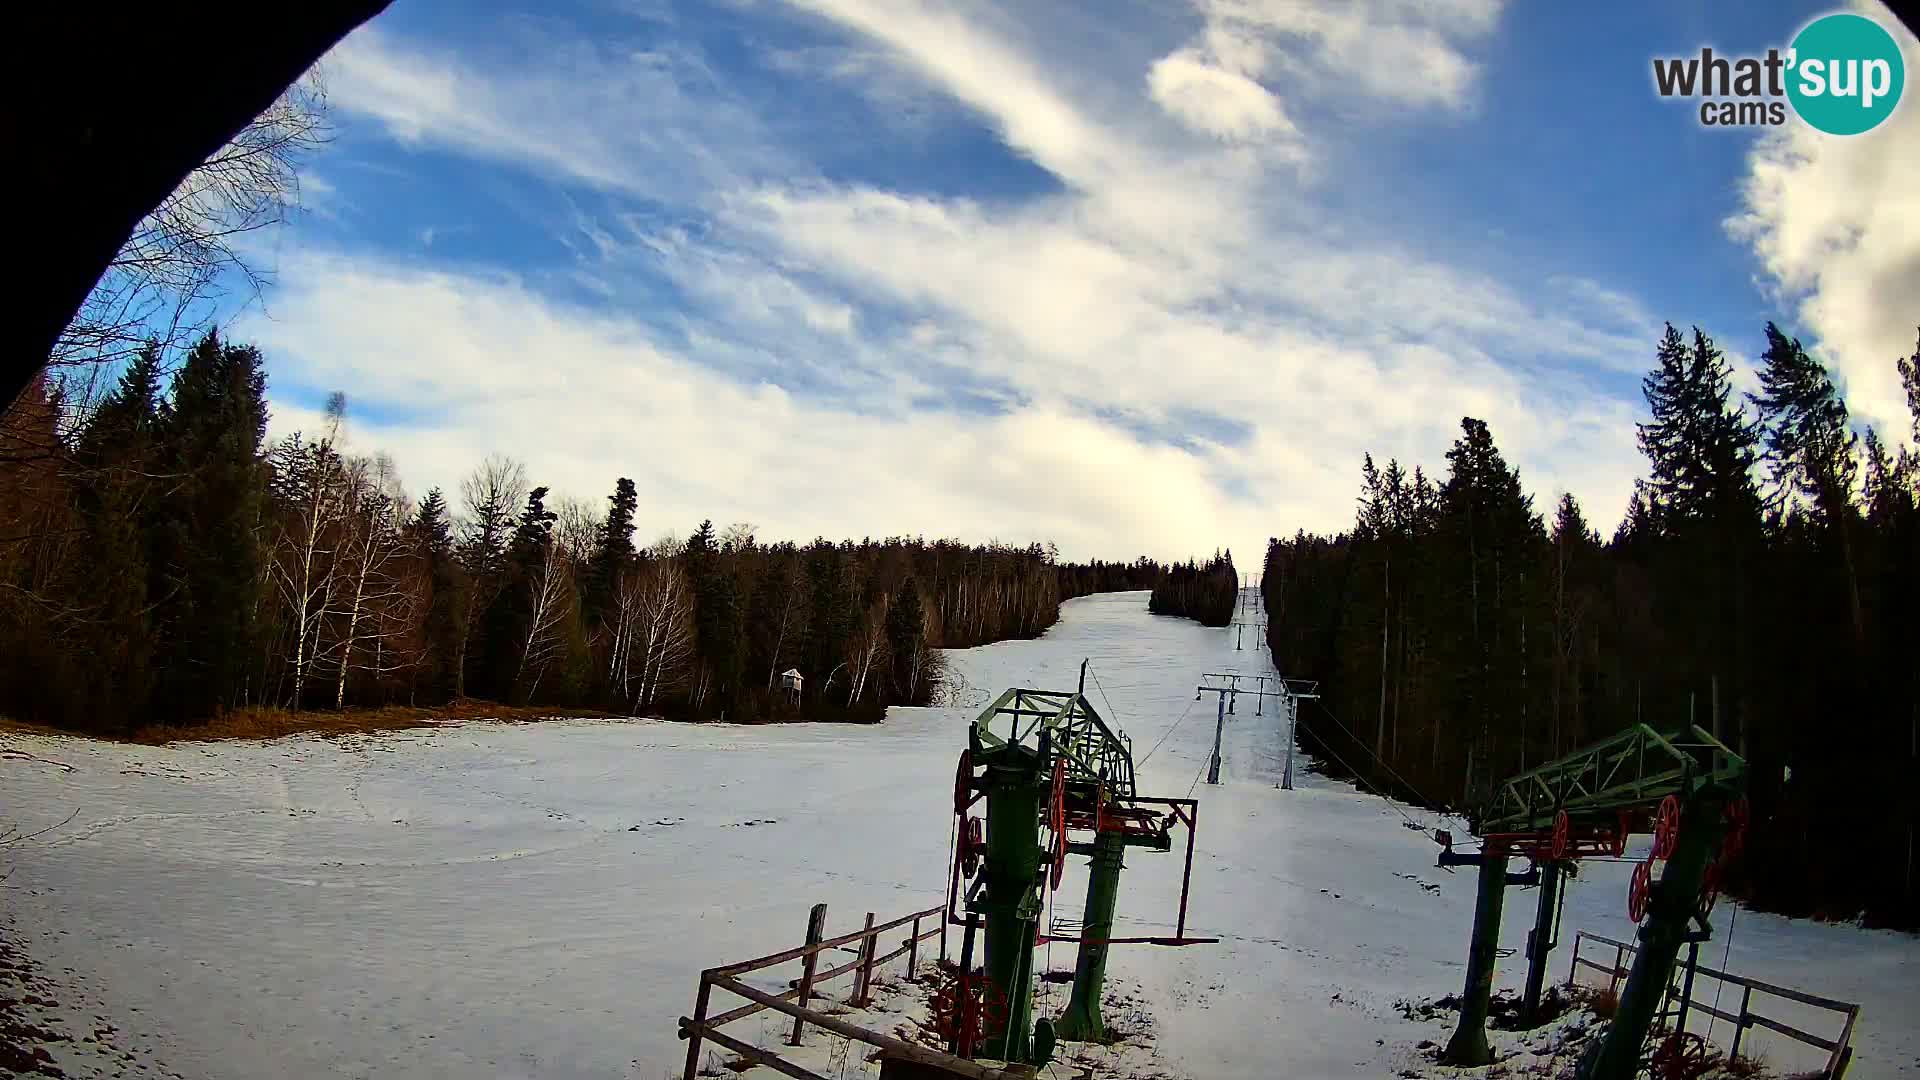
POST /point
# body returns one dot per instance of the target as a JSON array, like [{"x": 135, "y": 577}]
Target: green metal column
[
  {"x": 1013, "y": 784},
  {"x": 1469, "y": 1043},
  {"x": 1675, "y": 898},
  {"x": 1541, "y": 942},
  {"x": 1082, "y": 1022}
]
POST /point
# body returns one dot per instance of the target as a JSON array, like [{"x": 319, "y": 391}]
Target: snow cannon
[{"x": 1057, "y": 780}]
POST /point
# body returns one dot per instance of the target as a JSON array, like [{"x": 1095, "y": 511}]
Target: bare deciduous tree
[
  {"x": 491, "y": 494},
  {"x": 549, "y": 596},
  {"x": 182, "y": 258},
  {"x": 866, "y": 649},
  {"x": 370, "y": 551},
  {"x": 309, "y": 476},
  {"x": 664, "y": 628}
]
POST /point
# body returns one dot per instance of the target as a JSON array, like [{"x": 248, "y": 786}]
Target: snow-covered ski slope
[{"x": 536, "y": 900}]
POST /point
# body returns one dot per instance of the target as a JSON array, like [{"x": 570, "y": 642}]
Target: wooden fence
[
  {"x": 794, "y": 1003},
  {"x": 1839, "y": 1049}
]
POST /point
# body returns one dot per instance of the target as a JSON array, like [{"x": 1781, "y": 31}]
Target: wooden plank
[
  {"x": 863, "y": 980},
  {"x": 1741, "y": 980},
  {"x": 749, "y": 1051},
  {"x": 913, "y": 950},
  {"x": 795, "y": 953},
  {"x": 1702, "y": 1006},
  {"x": 700, "y": 1013},
  {"x": 816, "y": 924},
  {"x": 912, "y": 1052},
  {"x": 1792, "y": 1032}
]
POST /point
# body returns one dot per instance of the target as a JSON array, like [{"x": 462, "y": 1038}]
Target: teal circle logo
[{"x": 1845, "y": 74}]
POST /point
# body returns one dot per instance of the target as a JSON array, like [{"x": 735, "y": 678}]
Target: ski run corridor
[{"x": 537, "y": 900}]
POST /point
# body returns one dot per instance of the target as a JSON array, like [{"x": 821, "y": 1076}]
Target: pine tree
[
  {"x": 1701, "y": 446},
  {"x": 1809, "y": 449},
  {"x": 210, "y": 563},
  {"x": 613, "y": 550},
  {"x": 430, "y": 535},
  {"x": 906, "y": 640},
  {"x": 114, "y": 493}
]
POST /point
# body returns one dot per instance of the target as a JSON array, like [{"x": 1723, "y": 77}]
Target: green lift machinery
[
  {"x": 1687, "y": 789},
  {"x": 1056, "y": 780}
]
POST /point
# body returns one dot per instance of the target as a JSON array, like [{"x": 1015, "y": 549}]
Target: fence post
[
  {"x": 1686, "y": 989},
  {"x": 1740, "y": 1026},
  {"x": 943, "y": 934},
  {"x": 1613, "y": 977},
  {"x": 1573, "y": 969},
  {"x": 699, "y": 1017},
  {"x": 863, "y": 982},
  {"x": 913, "y": 952},
  {"x": 816, "y": 926}
]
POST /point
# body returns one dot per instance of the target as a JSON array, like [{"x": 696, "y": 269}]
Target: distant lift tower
[{"x": 1229, "y": 686}]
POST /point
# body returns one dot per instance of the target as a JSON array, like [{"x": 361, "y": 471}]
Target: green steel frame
[
  {"x": 1619, "y": 777},
  {"x": 1094, "y": 752},
  {"x": 1018, "y": 739},
  {"x": 1637, "y": 767}
]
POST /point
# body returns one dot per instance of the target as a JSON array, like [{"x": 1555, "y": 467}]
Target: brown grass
[{"x": 273, "y": 723}]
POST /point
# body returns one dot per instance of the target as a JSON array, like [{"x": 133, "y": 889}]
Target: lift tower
[
  {"x": 1048, "y": 765},
  {"x": 1686, "y": 788}
]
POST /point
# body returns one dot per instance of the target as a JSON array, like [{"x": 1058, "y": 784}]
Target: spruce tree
[
  {"x": 1809, "y": 449},
  {"x": 209, "y": 561},
  {"x": 613, "y": 550},
  {"x": 906, "y": 636},
  {"x": 114, "y": 494}
]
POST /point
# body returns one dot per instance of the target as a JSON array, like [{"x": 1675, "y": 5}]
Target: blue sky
[{"x": 1136, "y": 278}]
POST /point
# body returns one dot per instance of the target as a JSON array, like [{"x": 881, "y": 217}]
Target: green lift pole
[
  {"x": 1542, "y": 940},
  {"x": 1469, "y": 1043},
  {"x": 1670, "y": 908},
  {"x": 1082, "y": 1021},
  {"x": 1014, "y": 783},
  {"x": 1628, "y": 772}
]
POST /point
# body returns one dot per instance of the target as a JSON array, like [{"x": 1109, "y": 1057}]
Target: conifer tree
[{"x": 210, "y": 562}]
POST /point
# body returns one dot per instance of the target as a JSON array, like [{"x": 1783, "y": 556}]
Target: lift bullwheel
[{"x": 1682, "y": 1056}]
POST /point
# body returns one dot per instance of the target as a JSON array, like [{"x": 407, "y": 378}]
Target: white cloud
[
  {"x": 1215, "y": 100},
  {"x": 1835, "y": 222},
  {"x": 1404, "y": 52},
  {"x": 1174, "y": 352}
]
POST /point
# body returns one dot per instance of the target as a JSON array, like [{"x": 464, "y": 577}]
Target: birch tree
[
  {"x": 370, "y": 553},
  {"x": 664, "y": 629},
  {"x": 310, "y": 479}
]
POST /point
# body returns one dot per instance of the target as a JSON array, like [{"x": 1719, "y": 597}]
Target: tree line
[
  {"x": 162, "y": 561},
  {"x": 1206, "y": 593},
  {"x": 1763, "y": 584}
]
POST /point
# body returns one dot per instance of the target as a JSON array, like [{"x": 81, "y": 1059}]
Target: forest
[
  {"x": 162, "y": 561},
  {"x": 1762, "y": 584},
  {"x": 1206, "y": 594}
]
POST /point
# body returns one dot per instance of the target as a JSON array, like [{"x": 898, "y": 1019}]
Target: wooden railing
[
  {"x": 1839, "y": 1048},
  {"x": 794, "y": 1002}
]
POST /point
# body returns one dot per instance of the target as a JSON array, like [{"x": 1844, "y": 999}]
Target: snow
[{"x": 522, "y": 900}]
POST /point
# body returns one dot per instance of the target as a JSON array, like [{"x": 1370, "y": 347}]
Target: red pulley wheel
[
  {"x": 971, "y": 845},
  {"x": 1639, "y": 891},
  {"x": 1666, "y": 827},
  {"x": 1562, "y": 834},
  {"x": 963, "y": 783}
]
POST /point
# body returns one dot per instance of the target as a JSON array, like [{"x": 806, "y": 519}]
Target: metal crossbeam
[
  {"x": 1632, "y": 769},
  {"x": 1094, "y": 752}
]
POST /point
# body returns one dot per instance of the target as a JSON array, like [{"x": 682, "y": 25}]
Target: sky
[{"x": 1134, "y": 278}]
